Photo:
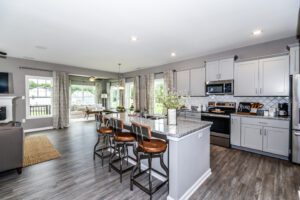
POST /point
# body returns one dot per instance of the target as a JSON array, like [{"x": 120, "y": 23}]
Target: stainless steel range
[{"x": 219, "y": 114}]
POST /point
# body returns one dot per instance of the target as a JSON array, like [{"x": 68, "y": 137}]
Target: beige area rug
[{"x": 37, "y": 149}]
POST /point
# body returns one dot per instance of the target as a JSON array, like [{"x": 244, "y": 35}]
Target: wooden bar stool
[
  {"x": 122, "y": 140},
  {"x": 148, "y": 148},
  {"x": 105, "y": 132}
]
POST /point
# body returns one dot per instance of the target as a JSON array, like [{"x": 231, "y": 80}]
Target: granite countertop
[
  {"x": 161, "y": 128},
  {"x": 262, "y": 117}
]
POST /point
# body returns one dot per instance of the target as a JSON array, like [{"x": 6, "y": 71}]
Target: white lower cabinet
[
  {"x": 276, "y": 140},
  {"x": 270, "y": 136},
  {"x": 251, "y": 136},
  {"x": 235, "y": 131}
]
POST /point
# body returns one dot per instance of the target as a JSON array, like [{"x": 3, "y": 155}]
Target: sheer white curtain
[
  {"x": 136, "y": 85},
  {"x": 60, "y": 100},
  {"x": 169, "y": 80},
  {"x": 98, "y": 87},
  {"x": 122, "y": 93},
  {"x": 150, "y": 93}
]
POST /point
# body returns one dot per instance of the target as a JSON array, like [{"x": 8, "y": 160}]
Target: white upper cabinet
[
  {"x": 226, "y": 69},
  {"x": 219, "y": 70},
  {"x": 265, "y": 77},
  {"x": 246, "y": 78},
  {"x": 274, "y": 76},
  {"x": 183, "y": 83},
  {"x": 197, "y": 82},
  {"x": 294, "y": 60},
  {"x": 212, "y": 71}
]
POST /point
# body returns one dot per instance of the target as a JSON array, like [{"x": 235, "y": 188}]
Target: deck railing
[{"x": 40, "y": 110}]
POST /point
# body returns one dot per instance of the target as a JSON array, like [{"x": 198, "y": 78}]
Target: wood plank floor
[{"x": 235, "y": 174}]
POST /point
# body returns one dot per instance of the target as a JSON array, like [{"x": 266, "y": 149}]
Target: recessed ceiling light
[
  {"x": 133, "y": 38},
  {"x": 257, "y": 32},
  {"x": 41, "y": 47},
  {"x": 173, "y": 54}
]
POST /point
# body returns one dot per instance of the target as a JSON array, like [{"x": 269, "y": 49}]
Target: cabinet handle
[
  {"x": 255, "y": 90},
  {"x": 260, "y": 131},
  {"x": 260, "y": 90},
  {"x": 265, "y": 132}
]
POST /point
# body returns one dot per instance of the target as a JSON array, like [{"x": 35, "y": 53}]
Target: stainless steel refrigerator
[{"x": 295, "y": 122}]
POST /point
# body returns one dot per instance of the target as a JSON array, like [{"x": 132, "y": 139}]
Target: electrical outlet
[{"x": 23, "y": 120}]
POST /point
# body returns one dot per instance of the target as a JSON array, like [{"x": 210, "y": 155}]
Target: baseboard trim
[
  {"x": 38, "y": 129},
  {"x": 194, "y": 187}
]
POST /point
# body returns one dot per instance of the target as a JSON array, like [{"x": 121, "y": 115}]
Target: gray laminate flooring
[{"x": 235, "y": 174}]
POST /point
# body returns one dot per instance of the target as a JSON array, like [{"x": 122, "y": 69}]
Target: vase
[{"x": 172, "y": 117}]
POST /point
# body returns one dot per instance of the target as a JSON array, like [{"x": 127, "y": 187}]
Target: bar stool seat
[
  {"x": 153, "y": 146},
  {"x": 124, "y": 137},
  {"x": 105, "y": 130}
]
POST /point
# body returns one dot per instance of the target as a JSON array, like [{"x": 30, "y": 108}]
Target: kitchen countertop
[
  {"x": 262, "y": 117},
  {"x": 160, "y": 128}
]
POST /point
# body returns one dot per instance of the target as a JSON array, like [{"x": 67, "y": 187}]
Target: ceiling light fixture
[
  {"x": 173, "y": 54},
  {"x": 92, "y": 79},
  {"x": 121, "y": 87},
  {"x": 257, "y": 32},
  {"x": 133, "y": 38}
]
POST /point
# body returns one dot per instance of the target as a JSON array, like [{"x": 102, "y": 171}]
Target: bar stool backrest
[
  {"x": 118, "y": 125},
  {"x": 99, "y": 120},
  {"x": 141, "y": 131}
]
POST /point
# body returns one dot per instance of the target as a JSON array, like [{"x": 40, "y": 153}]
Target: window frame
[{"x": 27, "y": 104}]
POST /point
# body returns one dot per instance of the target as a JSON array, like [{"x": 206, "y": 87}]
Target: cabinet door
[
  {"x": 294, "y": 60},
  {"x": 226, "y": 69},
  {"x": 276, "y": 140},
  {"x": 235, "y": 131},
  {"x": 212, "y": 71},
  {"x": 183, "y": 82},
  {"x": 198, "y": 82},
  {"x": 251, "y": 136},
  {"x": 246, "y": 78},
  {"x": 274, "y": 76}
]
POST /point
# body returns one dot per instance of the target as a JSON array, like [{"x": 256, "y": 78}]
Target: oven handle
[{"x": 215, "y": 115}]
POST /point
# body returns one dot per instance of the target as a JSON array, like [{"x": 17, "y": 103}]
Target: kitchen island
[{"x": 188, "y": 154}]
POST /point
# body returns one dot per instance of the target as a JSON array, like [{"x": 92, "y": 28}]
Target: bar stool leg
[
  {"x": 121, "y": 161},
  {"x": 150, "y": 174},
  {"x": 134, "y": 170},
  {"x": 165, "y": 168},
  {"x": 95, "y": 147},
  {"x": 112, "y": 156}
]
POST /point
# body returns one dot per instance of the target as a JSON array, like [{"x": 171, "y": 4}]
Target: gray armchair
[{"x": 11, "y": 147}]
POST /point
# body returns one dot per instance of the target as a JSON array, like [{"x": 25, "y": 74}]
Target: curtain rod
[{"x": 37, "y": 69}]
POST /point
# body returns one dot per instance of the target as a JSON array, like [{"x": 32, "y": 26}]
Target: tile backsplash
[{"x": 269, "y": 102}]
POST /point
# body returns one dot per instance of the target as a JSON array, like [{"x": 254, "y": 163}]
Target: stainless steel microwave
[{"x": 219, "y": 87}]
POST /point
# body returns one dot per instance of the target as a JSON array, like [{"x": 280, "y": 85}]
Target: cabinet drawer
[{"x": 265, "y": 122}]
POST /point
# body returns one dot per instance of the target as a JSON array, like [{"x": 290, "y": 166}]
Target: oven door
[
  {"x": 220, "y": 129},
  {"x": 215, "y": 88}
]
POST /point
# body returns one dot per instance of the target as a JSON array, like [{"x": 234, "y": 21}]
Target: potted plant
[{"x": 171, "y": 101}]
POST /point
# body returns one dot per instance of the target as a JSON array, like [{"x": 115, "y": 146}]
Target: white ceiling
[{"x": 96, "y": 33}]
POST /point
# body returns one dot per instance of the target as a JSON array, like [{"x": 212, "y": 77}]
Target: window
[
  {"x": 38, "y": 97},
  {"x": 158, "y": 90},
  {"x": 83, "y": 95},
  {"x": 114, "y": 96},
  {"x": 129, "y": 94}
]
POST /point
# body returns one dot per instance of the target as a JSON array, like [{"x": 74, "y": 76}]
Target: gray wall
[
  {"x": 244, "y": 53},
  {"x": 17, "y": 80}
]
